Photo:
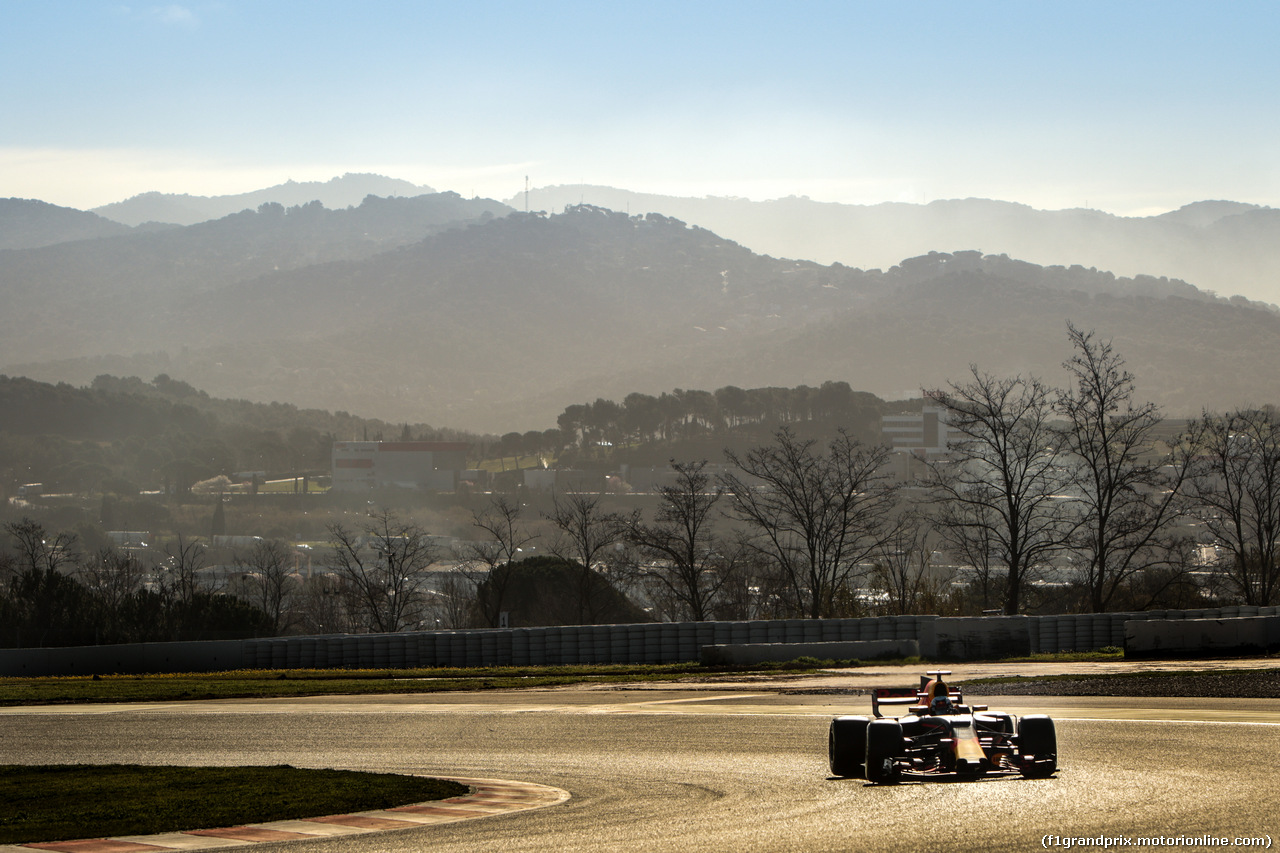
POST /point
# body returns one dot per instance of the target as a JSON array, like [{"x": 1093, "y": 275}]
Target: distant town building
[
  {"x": 426, "y": 465},
  {"x": 924, "y": 435},
  {"x": 129, "y": 539},
  {"x": 548, "y": 480}
]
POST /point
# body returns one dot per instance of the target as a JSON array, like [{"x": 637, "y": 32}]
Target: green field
[
  {"x": 248, "y": 684},
  {"x": 319, "y": 682},
  {"x": 61, "y": 802}
]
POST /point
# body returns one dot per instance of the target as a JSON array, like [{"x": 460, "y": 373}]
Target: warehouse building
[{"x": 426, "y": 465}]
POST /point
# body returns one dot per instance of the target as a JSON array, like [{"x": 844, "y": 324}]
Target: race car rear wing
[
  {"x": 916, "y": 699},
  {"x": 893, "y": 696}
]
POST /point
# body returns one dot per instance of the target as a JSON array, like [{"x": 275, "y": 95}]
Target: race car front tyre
[
  {"x": 847, "y": 746},
  {"x": 884, "y": 745},
  {"x": 1037, "y": 746}
]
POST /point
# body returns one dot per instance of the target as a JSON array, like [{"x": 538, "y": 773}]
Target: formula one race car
[{"x": 939, "y": 736}]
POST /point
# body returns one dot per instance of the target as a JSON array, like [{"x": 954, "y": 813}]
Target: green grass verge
[
  {"x": 296, "y": 682},
  {"x": 61, "y": 802},
  {"x": 1105, "y": 653},
  {"x": 268, "y": 684},
  {"x": 283, "y": 684}
]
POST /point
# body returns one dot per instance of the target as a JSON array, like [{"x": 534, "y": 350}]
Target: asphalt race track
[{"x": 730, "y": 768}]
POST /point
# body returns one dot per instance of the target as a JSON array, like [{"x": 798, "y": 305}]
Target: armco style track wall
[{"x": 660, "y": 642}]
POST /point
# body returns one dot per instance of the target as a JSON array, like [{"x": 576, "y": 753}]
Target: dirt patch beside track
[{"x": 1255, "y": 684}]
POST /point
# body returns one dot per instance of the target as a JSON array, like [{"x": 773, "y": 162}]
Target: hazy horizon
[{"x": 1133, "y": 109}]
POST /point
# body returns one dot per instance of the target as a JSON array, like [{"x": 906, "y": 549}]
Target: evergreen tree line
[{"x": 691, "y": 414}]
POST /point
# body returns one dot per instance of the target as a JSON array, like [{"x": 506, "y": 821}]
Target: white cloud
[
  {"x": 175, "y": 15},
  {"x": 88, "y": 178}
]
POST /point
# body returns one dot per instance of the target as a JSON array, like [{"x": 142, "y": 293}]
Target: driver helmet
[{"x": 941, "y": 703}]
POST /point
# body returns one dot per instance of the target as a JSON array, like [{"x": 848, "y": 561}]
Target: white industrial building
[
  {"x": 925, "y": 435},
  {"x": 426, "y": 465}
]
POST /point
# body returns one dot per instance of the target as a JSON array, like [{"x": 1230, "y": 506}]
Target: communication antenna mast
[{"x": 526, "y": 193}]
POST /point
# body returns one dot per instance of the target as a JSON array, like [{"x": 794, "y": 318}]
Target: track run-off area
[{"x": 722, "y": 765}]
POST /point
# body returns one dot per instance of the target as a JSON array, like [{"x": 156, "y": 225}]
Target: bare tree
[
  {"x": 1128, "y": 497},
  {"x": 37, "y": 550},
  {"x": 997, "y": 491},
  {"x": 1172, "y": 584},
  {"x": 322, "y": 605},
  {"x": 904, "y": 571},
  {"x": 454, "y": 604},
  {"x": 1237, "y": 488},
  {"x": 184, "y": 558},
  {"x": 499, "y": 520},
  {"x": 114, "y": 578},
  {"x": 42, "y": 600},
  {"x": 383, "y": 568},
  {"x": 818, "y": 515},
  {"x": 970, "y": 532},
  {"x": 177, "y": 584},
  {"x": 267, "y": 581},
  {"x": 584, "y": 533},
  {"x": 679, "y": 551},
  {"x": 113, "y": 575}
]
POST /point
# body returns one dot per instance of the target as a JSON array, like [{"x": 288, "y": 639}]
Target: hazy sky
[{"x": 1130, "y": 107}]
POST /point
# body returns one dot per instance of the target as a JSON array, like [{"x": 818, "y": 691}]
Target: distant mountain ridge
[
  {"x": 497, "y": 320},
  {"x": 31, "y": 224},
  {"x": 345, "y": 191},
  {"x": 1224, "y": 246},
  {"x": 1227, "y": 247},
  {"x": 87, "y": 297}
]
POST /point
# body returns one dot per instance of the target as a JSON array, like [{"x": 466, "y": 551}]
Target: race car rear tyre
[
  {"x": 884, "y": 745},
  {"x": 1038, "y": 740},
  {"x": 847, "y": 746}
]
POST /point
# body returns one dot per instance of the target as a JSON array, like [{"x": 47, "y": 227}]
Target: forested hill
[
  {"x": 124, "y": 434},
  {"x": 498, "y": 325},
  {"x": 181, "y": 209},
  {"x": 122, "y": 294},
  {"x": 30, "y": 224},
  {"x": 137, "y": 433},
  {"x": 1225, "y": 246}
]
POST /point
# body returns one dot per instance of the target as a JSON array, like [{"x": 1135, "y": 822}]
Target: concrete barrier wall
[
  {"x": 976, "y": 638},
  {"x": 125, "y": 659},
  {"x": 943, "y": 638},
  {"x": 1084, "y": 632},
  {"x": 1152, "y": 638}
]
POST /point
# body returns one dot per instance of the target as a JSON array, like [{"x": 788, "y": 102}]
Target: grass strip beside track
[
  {"x": 268, "y": 684},
  {"x": 61, "y": 802},
  {"x": 265, "y": 684}
]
